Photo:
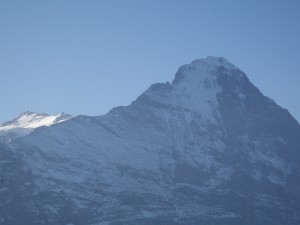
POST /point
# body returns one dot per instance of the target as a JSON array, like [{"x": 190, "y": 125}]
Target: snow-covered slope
[
  {"x": 208, "y": 148},
  {"x": 27, "y": 122}
]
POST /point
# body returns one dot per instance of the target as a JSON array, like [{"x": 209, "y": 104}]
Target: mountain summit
[
  {"x": 25, "y": 123},
  {"x": 196, "y": 85},
  {"x": 208, "y": 148}
]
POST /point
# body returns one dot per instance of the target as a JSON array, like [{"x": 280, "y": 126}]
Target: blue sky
[{"x": 85, "y": 57}]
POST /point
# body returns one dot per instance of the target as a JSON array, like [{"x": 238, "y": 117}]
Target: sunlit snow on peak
[{"x": 27, "y": 122}]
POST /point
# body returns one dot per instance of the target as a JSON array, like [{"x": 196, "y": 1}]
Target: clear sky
[{"x": 85, "y": 57}]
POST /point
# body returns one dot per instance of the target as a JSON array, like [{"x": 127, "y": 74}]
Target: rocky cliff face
[{"x": 208, "y": 148}]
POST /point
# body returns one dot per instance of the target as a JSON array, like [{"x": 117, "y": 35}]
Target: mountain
[
  {"x": 208, "y": 148},
  {"x": 25, "y": 123}
]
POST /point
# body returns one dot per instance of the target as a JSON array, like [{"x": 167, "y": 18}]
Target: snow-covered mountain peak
[
  {"x": 25, "y": 119},
  {"x": 196, "y": 85},
  {"x": 33, "y": 120},
  {"x": 202, "y": 70},
  {"x": 214, "y": 61},
  {"x": 26, "y": 122}
]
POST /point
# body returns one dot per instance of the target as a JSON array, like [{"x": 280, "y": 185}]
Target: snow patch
[
  {"x": 256, "y": 175},
  {"x": 147, "y": 214},
  {"x": 276, "y": 180}
]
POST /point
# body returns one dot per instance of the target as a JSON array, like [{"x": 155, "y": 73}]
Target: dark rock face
[{"x": 209, "y": 148}]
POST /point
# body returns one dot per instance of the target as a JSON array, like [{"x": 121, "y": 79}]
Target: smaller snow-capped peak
[
  {"x": 34, "y": 120},
  {"x": 26, "y": 122}
]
